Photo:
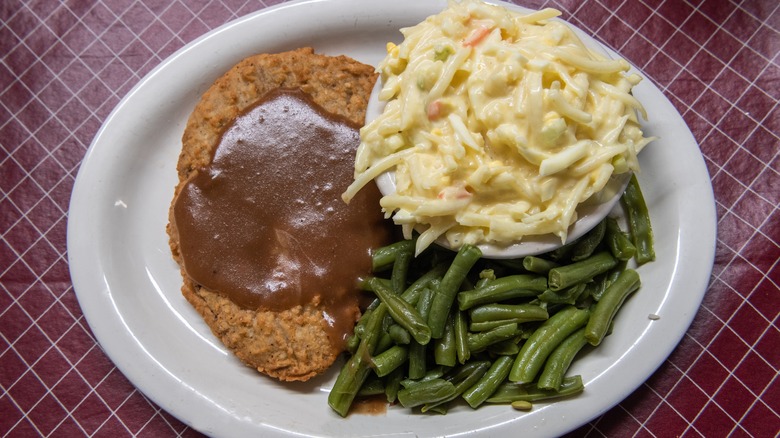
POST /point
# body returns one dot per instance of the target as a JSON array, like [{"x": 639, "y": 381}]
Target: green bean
[
  {"x": 568, "y": 295},
  {"x": 434, "y": 373},
  {"x": 562, "y": 252},
  {"x": 605, "y": 309},
  {"x": 596, "y": 287},
  {"x": 403, "y": 313},
  {"x": 371, "y": 387},
  {"x": 390, "y": 359},
  {"x": 461, "y": 337},
  {"x": 618, "y": 243},
  {"x": 519, "y": 312},
  {"x": 428, "y": 392},
  {"x": 505, "y": 348},
  {"x": 425, "y": 302},
  {"x": 363, "y": 285},
  {"x": 480, "y": 341},
  {"x": 584, "y": 296},
  {"x": 613, "y": 274},
  {"x": 417, "y": 351},
  {"x": 370, "y": 284},
  {"x": 560, "y": 360},
  {"x": 400, "y": 271},
  {"x": 489, "y": 325},
  {"x": 352, "y": 343},
  {"x": 602, "y": 281},
  {"x": 466, "y": 372},
  {"x": 541, "y": 343},
  {"x": 382, "y": 258},
  {"x": 502, "y": 289},
  {"x": 638, "y": 221},
  {"x": 511, "y": 392},
  {"x": 357, "y": 369},
  {"x": 410, "y": 295},
  {"x": 444, "y": 349},
  {"x": 439, "y": 408},
  {"x": 385, "y": 339},
  {"x": 393, "y": 384},
  {"x": 463, "y": 378},
  {"x": 588, "y": 243},
  {"x": 448, "y": 289},
  {"x": 538, "y": 265},
  {"x": 487, "y": 385},
  {"x": 351, "y": 377},
  {"x": 373, "y": 330},
  {"x": 361, "y": 323},
  {"x": 580, "y": 272},
  {"x": 424, "y": 281},
  {"x": 399, "y": 335},
  {"x": 385, "y": 342}
]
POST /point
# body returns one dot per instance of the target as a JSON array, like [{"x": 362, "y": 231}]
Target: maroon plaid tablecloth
[{"x": 65, "y": 65}]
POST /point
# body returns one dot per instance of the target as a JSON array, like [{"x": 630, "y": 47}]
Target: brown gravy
[
  {"x": 264, "y": 223},
  {"x": 374, "y": 405}
]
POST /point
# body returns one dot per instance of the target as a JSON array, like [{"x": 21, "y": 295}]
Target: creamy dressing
[{"x": 497, "y": 125}]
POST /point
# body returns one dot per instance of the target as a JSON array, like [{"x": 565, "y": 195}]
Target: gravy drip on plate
[{"x": 264, "y": 223}]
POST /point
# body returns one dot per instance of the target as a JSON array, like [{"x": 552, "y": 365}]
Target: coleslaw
[{"x": 497, "y": 125}]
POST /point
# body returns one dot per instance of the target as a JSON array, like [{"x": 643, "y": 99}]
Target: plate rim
[{"x": 76, "y": 244}]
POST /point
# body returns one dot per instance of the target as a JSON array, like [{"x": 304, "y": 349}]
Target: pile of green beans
[{"x": 448, "y": 328}]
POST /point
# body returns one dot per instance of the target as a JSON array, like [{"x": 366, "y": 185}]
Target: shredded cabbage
[{"x": 497, "y": 125}]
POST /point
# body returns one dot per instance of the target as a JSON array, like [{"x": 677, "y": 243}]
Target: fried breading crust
[{"x": 290, "y": 345}]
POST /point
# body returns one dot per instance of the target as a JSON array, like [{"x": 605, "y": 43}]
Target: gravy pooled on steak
[
  {"x": 264, "y": 224},
  {"x": 299, "y": 341}
]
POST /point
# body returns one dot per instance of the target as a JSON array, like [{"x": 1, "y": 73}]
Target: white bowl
[{"x": 589, "y": 214}]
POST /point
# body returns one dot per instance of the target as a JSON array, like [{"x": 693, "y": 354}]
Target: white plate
[{"x": 128, "y": 285}]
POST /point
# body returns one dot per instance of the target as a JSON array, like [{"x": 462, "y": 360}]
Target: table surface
[{"x": 65, "y": 65}]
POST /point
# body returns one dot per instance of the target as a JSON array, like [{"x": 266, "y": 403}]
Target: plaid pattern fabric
[{"x": 65, "y": 65}]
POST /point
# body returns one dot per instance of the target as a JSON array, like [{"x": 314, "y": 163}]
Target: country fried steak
[{"x": 277, "y": 287}]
